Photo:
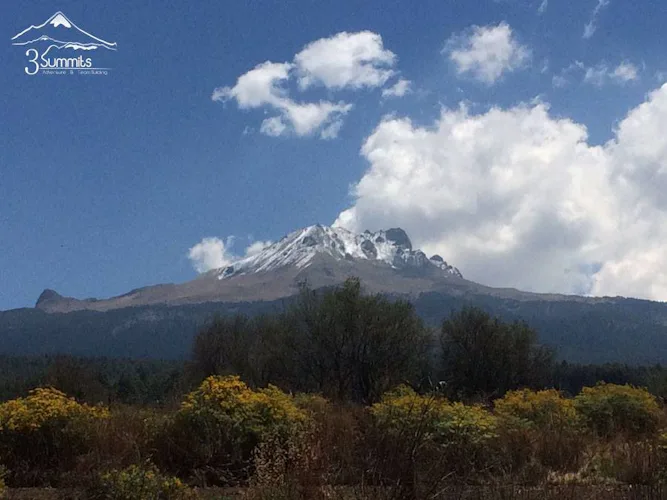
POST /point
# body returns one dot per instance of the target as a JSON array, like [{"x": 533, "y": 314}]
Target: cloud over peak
[
  {"x": 518, "y": 197},
  {"x": 214, "y": 253},
  {"x": 210, "y": 253}
]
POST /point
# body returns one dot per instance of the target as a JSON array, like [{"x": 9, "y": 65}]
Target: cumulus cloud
[
  {"x": 263, "y": 86},
  {"x": 518, "y": 197},
  {"x": 343, "y": 61},
  {"x": 486, "y": 52},
  {"x": 599, "y": 75},
  {"x": 591, "y": 26},
  {"x": 210, "y": 253},
  {"x": 399, "y": 89}
]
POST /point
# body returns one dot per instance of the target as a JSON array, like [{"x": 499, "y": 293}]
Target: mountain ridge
[
  {"x": 321, "y": 256},
  {"x": 160, "y": 321}
]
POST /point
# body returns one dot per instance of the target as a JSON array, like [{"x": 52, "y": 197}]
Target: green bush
[
  {"x": 610, "y": 409},
  {"x": 138, "y": 483},
  {"x": 219, "y": 425},
  {"x": 43, "y": 434}
]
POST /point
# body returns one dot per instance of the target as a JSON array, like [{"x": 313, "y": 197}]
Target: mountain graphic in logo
[{"x": 60, "y": 33}]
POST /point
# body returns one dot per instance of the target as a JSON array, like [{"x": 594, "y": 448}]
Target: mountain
[
  {"x": 160, "y": 321},
  {"x": 318, "y": 255},
  {"x": 60, "y": 32}
]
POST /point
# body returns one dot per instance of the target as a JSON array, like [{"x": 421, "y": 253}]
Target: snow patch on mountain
[{"x": 391, "y": 246}]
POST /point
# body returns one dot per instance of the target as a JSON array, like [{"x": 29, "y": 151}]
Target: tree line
[{"x": 341, "y": 343}]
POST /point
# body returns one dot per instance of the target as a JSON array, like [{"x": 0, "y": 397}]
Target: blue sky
[{"x": 107, "y": 181}]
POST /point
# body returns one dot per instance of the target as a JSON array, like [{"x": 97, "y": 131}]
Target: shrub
[
  {"x": 127, "y": 437},
  {"x": 428, "y": 439},
  {"x": 314, "y": 404},
  {"x": 138, "y": 483},
  {"x": 546, "y": 409},
  {"x": 3, "y": 489},
  {"x": 543, "y": 423},
  {"x": 43, "y": 434},
  {"x": 442, "y": 422},
  {"x": 219, "y": 425},
  {"x": 610, "y": 409}
]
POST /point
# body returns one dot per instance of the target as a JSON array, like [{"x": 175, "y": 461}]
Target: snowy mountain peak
[{"x": 391, "y": 247}]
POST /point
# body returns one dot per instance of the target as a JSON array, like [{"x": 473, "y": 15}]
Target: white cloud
[
  {"x": 262, "y": 86},
  {"x": 559, "y": 81},
  {"x": 257, "y": 87},
  {"x": 399, "y": 89},
  {"x": 257, "y": 247},
  {"x": 487, "y": 52},
  {"x": 353, "y": 60},
  {"x": 273, "y": 126},
  {"x": 591, "y": 26},
  {"x": 543, "y": 7},
  {"x": 214, "y": 253},
  {"x": 600, "y": 74},
  {"x": 210, "y": 253},
  {"x": 625, "y": 72},
  {"x": 518, "y": 197},
  {"x": 331, "y": 132},
  {"x": 309, "y": 117},
  {"x": 343, "y": 61},
  {"x": 563, "y": 78}
]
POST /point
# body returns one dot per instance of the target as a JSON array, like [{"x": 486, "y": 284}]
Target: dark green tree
[
  {"x": 351, "y": 346},
  {"x": 339, "y": 342},
  {"x": 485, "y": 357}
]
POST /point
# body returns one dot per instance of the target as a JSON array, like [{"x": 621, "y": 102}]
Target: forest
[{"x": 340, "y": 395}]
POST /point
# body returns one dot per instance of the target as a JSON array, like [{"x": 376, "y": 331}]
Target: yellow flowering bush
[
  {"x": 43, "y": 433},
  {"x": 543, "y": 423},
  {"x": 440, "y": 420},
  {"x": 610, "y": 409},
  {"x": 138, "y": 483},
  {"x": 220, "y": 424},
  {"x": 43, "y": 407},
  {"x": 460, "y": 435},
  {"x": 546, "y": 409}
]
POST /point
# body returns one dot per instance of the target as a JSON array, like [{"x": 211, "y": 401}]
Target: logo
[{"x": 60, "y": 47}]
